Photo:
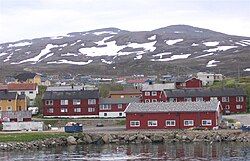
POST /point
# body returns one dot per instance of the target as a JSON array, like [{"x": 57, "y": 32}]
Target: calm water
[{"x": 170, "y": 151}]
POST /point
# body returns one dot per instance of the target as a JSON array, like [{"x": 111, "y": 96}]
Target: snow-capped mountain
[{"x": 118, "y": 51}]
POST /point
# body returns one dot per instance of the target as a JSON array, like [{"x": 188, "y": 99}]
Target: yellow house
[
  {"x": 29, "y": 78},
  {"x": 12, "y": 101}
]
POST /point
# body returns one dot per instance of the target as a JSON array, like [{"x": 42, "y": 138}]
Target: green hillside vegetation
[{"x": 242, "y": 82}]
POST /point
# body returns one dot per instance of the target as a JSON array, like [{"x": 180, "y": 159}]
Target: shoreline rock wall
[{"x": 131, "y": 137}]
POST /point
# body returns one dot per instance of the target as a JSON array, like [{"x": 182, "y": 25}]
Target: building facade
[
  {"x": 12, "y": 101},
  {"x": 126, "y": 93},
  {"x": 173, "y": 115}
]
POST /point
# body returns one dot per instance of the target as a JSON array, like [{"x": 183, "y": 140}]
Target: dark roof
[
  {"x": 205, "y": 92},
  {"x": 5, "y": 95},
  {"x": 156, "y": 107},
  {"x": 21, "y": 96},
  {"x": 126, "y": 91},
  {"x": 118, "y": 101},
  {"x": 21, "y": 86},
  {"x": 25, "y": 76},
  {"x": 83, "y": 94}
]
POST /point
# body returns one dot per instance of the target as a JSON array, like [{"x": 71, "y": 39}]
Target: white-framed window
[
  {"x": 134, "y": 123},
  {"x": 238, "y": 107},
  {"x": 188, "y": 99},
  {"x": 206, "y": 122},
  {"x": 239, "y": 99},
  {"x": 91, "y": 109},
  {"x": 154, "y": 93},
  {"x": 76, "y": 101},
  {"x": 213, "y": 98},
  {"x": 199, "y": 99},
  {"x": 170, "y": 122},
  {"x": 64, "y": 102},
  {"x": 147, "y": 93},
  {"x": 172, "y": 99},
  {"x": 154, "y": 100},
  {"x": 225, "y": 99},
  {"x": 105, "y": 107},
  {"x": 227, "y": 107},
  {"x": 188, "y": 122},
  {"x": 120, "y": 106},
  {"x": 49, "y": 102},
  {"x": 0, "y": 108},
  {"x": 120, "y": 114},
  {"x": 64, "y": 110},
  {"x": 30, "y": 92},
  {"x": 105, "y": 114},
  {"x": 9, "y": 108},
  {"x": 152, "y": 122},
  {"x": 50, "y": 110},
  {"x": 91, "y": 101},
  {"x": 77, "y": 109},
  {"x": 147, "y": 100}
]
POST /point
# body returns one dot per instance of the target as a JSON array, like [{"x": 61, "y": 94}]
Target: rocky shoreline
[{"x": 132, "y": 137}]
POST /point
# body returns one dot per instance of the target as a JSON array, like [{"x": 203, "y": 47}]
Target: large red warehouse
[{"x": 173, "y": 115}]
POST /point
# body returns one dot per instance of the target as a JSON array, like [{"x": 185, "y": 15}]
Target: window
[
  {"x": 64, "y": 102},
  {"x": 207, "y": 76},
  {"x": 122, "y": 96},
  {"x": 170, "y": 122},
  {"x": 0, "y": 108},
  {"x": 9, "y": 100},
  {"x": 91, "y": 101},
  {"x": 206, "y": 122},
  {"x": 188, "y": 99},
  {"x": 147, "y": 100},
  {"x": 119, "y": 106},
  {"x": 63, "y": 110},
  {"x": 120, "y": 114},
  {"x": 238, "y": 107},
  {"x": 227, "y": 107},
  {"x": 188, "y": 122},
  {"x": 154, "y": 100},
  {"x": 172, "y": 99},
  {"x": 105, "y": 114},
  {"x": 91, "y": 109},
  {"x": 213, "y": 98},
  {"x": 225, "y": 99},
  {"x": 51, "y": 110},
  {"x": 31, "y": 100},
  {"x": 9, "y": 108},
  {"x": 76, "y": 102},
  {"x": 22, "y": 92},
  {"x": 199, "y": 99},
  {"x": 77, "y": 109},
  {"x": 105, "y": 107},
  {"x": 147, "y": 93},
  {"x": 19, "y": 108},
  {"x": 30, "y": 92},
  {"x": 152, "y": 123},
  {"x": 154, "y": 93},
  {"x": 134, "y": 123},
  {"x": 239, "y": 99},
  {"x": 49, "y": 102}
]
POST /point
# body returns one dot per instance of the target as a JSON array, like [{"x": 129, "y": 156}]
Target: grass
[{"x": 27, "y": 137}]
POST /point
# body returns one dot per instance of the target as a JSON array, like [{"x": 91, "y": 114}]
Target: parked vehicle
[
  {"x": 34, "y": 110},
  {"x": 245, "y": 128},
  {"x": 72, "y": 127},
  {"x": 99, "y": 125}
]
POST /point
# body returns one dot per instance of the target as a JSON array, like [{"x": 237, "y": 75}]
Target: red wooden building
[
  {"x": 173, "y": 115},
  {"x": 111, "y": 107},
  {"x": 81, "y": 103},
  {"x": 233, "y": 100},
  {"x": 193, "y": 83}
]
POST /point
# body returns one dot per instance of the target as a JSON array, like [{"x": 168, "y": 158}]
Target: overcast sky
[{"x": 26, "y": 19}]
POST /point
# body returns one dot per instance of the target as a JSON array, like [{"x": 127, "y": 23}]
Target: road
[{"x": 243, "y": 118}]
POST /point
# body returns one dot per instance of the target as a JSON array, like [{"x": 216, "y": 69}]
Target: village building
[
  {"x": 28, "y": 77},
  {"x": 78, "y": 103},
  {"x": 114, "y": 107},
  {"x": 173, "y": 115},
  {"x": 209, "y": 78},
  {"x": 233, "y": 100},
  {"x": 125, "y": 93}
]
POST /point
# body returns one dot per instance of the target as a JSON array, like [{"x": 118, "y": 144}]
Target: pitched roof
[
  {"x": 156, "y": 107},
  {"x": 25, "y": 76},
  {"x": 118, "y": 101},
  {"x": 205, "y": 92},
  {"x": 65, "y": 88},
  {"x": 21, "y": 86},
  {"x": 157, "y": 87},
  {"x": 3, "y": 87},
  {"x": 126, "y": 91},
  {"x": 6, "y": 95},
  {"x": 83, "y": 94}
]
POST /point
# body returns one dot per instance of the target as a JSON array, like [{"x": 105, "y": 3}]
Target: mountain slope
[{"x": 177, "y": 48}]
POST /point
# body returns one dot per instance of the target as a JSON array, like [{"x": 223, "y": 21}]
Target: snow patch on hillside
[
  {"x": 106, "y": 62},
  {"x": 240, "y": 43},
  {"x": 162, "y": 54},
  {"x": 247, "y": 70},
  {"x": 2, "y": 54},
  {"x": 211, "y": 63},
  {"x": 104, "y": 32},
  {"x": 220, "y": 48},
  {"x": 201, "y": 56},
  {"x": 172, "y": 42},
  {"x": 152, "y": 37},
  {"x": 64, "y": 61},
  {"x": 20, "y": 44},
  {"x": 194, "y": 44},
  {"x": 138, "y": 57},
  {"x": 174, "y": 57},
  {"x": 212, "y": 43},
  {"x": 8, "y": 57},
  {"x": 69, "y": 54}
]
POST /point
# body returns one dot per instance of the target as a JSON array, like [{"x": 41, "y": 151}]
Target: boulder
[
  {"x": 157, "y": 138},
  {"x": 71, "y": 140},
  {"x": 106, "y": 138}
]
